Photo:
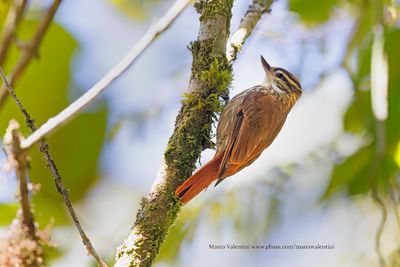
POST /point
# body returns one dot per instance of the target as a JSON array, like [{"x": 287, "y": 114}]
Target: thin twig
[
  {"x": 381, "y": 227},
  {"x": 72, "y": 110},
  {"x": 246, "y": 27},
  {"x": 17, "y": 160},
  {"x": 44, "y": 148},
  {"x": 30, "y": 50},
  {"x": 395, "y": 203},
  {"x": 10, "y": 26}
]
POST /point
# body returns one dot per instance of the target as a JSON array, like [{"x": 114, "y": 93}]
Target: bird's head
[{"x": 281, "y": 80}]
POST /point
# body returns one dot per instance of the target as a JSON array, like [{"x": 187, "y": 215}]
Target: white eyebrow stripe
[{"x": 288, "y": 78}]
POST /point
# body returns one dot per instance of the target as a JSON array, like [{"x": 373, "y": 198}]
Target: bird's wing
[{"x": 252, "y": 129}]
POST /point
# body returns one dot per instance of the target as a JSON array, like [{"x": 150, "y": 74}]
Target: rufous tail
[{"x": 200, "y": 180}]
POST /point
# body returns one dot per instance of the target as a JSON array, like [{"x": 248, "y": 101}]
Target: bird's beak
[
  {"x": 267, "y": 69},
  {"x": 265, "y": 65}
]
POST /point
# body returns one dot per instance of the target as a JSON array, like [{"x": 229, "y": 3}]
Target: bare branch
[
  {"x": 10, "y": 26},
  {"x": 246, "y": 27},
  {"x": 17, "y": 160},
  {"x": 30, "y": 50},
  {"x": 72, "y": 110},
  {"x": 44, "y": 148}
]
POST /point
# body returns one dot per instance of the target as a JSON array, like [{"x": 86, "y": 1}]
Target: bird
[{"x": 248, "y": 125}]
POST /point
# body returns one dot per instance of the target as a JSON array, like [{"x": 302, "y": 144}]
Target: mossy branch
[
  {"x": 209, "y": 83},
  {"x": 191, "y": 135}
]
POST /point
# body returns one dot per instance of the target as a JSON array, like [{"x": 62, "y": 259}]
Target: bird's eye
[{"x": 279, "y": 76}]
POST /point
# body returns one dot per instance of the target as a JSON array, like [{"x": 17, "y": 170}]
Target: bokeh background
[{"x": 312, "y": 186}]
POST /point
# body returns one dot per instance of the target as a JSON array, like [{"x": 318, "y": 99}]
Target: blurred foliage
[
  {"x": 7, "y": 211},
  {"x": 369, "y": 166},
  {"x": 3, "y": 10},
  {"x": 43, "y": 90},
  {"x": 4, "y": 5},
  {"x": 397, "y": 155},
  {"x": 395, "y": 259},
  {"x": 311, "y": 11},
  {"x": 136, "y": 9}
]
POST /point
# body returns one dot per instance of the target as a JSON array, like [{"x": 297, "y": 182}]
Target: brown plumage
[{"x": 247, "y": 126}]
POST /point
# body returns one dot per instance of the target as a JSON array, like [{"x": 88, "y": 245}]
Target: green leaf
[
  {"x": 4, "y": 5},
  {"x": 362, "y": 181},
  {"x": 352, "y": 168},
  {"x": 8, "y": 212},
  {"x": 364, "y": 51},
  {"x": 312, "y": 11},
  {"x": 359, "y": 118},
  {"x": 397, "y": 155},
  {"x": 392, "y": 39},
  {"x": 76, "y": 147}
]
